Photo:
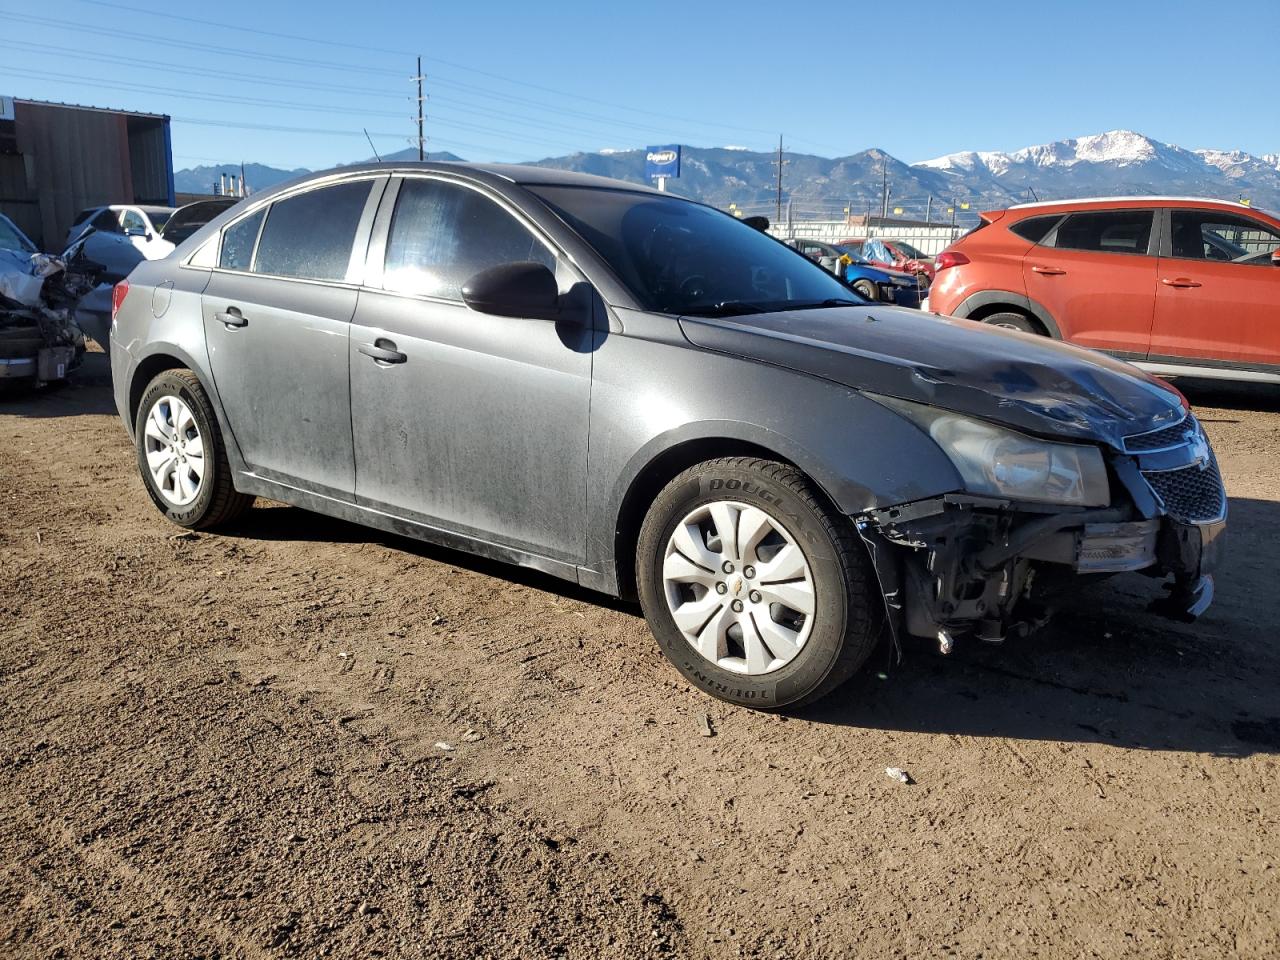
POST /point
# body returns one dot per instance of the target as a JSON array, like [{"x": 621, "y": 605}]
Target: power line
[
  {"x": 201, "y": 47},
  {"x": 221, "y": 75},
  {"x": 329, "y": 64},
  {"x": 465, "y": 106}
]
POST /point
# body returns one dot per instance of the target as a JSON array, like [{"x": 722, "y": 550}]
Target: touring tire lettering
[
  {"x": 713, "y": 684},
  {"x": 765, "y": 494}
]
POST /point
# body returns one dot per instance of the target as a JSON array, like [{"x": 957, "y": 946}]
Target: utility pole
[
  {"x": 778, "y": 215},
  {"x": 421, "y": 140},
  {"x": 928, "y": 210}
]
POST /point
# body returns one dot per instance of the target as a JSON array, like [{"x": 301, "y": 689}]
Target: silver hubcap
[
  {"x": 174, "y": 450},
  {"x": 739, "y": 587}
]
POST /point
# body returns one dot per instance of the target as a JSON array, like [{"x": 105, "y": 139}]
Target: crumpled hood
[{"x": 1030, "y": 383}]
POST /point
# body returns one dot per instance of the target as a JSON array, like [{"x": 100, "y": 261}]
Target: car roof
[
  {"x": 522, "y": 174},
  {"x": 144, "y": 207}
]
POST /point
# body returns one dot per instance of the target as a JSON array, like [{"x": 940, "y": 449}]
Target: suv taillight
[
  {"x": 118, "y": 293},
  {"x": 948, "y": 258}
]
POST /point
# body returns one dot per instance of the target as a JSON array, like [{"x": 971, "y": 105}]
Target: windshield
[
  {"x": 11, "y": 238},
  {"x": 676, "y": 256},
  {"x": 908, "y": 250}
]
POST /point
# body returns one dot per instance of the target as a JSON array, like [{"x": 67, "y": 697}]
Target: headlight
[{"x": 1003, "y": 463}]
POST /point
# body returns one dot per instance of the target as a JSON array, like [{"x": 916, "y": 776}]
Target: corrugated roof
[{"x": 81, "y": 106}]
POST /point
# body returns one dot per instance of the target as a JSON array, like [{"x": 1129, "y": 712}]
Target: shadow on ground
[
  {"x": 86, "y": 392},
  {"x": 1106, "y": 671},
  {"x": 1230, "y": 395}
]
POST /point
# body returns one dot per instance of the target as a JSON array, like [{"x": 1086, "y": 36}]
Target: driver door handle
[
  {"x": 382, "y": 350},
  {"x": 1179, "y": 282},
  {"x": 1048, "y": 271}
]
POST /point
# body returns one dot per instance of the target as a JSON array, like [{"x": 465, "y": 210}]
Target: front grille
[
  {"x": 1162, "y": 439},
  {"x": 1190, "y": 494}
]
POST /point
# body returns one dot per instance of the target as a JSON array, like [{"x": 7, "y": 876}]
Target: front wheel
[
  {"x": 757, "y": 591},
  {"x": 181, "y": 455}
]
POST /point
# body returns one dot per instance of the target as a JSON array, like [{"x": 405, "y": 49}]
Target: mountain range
[{"x": 1119, "y": 162}]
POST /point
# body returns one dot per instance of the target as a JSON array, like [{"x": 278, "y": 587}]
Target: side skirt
[{"x": 368, "y": 517}]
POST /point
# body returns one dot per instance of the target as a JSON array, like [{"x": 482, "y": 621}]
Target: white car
[{"x": 124, "y": 235}]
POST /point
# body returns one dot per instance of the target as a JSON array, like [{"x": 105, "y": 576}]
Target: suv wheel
[
  {"x": 1015, "y": 321},
  {"x": 181, "y": 455},
  {"x": 757, "y": 592}
]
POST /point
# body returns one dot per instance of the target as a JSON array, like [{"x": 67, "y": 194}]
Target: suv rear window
[
  {"x": 1106, "y": 231},
  {"x": 1035, "y": 228},
  {"x": 310, "y": 235}
]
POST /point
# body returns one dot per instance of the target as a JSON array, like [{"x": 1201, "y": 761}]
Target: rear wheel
[
  {"x": 181, "y": 455},
  {"x": 1015, "y": 321},
  {"x": 757, "y": 592},
  {"x": 867, "y": 289}
]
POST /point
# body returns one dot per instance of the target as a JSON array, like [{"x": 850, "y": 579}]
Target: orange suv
[{"x": 1178, "y": 286}]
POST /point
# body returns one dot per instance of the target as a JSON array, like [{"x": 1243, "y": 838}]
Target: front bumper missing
[{"x": 964, "y": 565}]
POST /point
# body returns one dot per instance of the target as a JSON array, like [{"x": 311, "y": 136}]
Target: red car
[
  {"x": 897, "y": 254},
  {"x": 1179, "y": 286}
]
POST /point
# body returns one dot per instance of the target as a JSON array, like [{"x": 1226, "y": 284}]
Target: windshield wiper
[
  {"x": 725, "y": 308},
  {"x": 829, "y": 302}
]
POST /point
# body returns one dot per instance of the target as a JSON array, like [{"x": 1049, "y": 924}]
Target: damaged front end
[
  {"x": 40, "y": 341},
  {"x": 991, "y": 567}
]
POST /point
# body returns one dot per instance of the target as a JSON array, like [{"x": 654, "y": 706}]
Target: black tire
[
  {"x": 217, "y": 501},
  {"x": 1016, "y": 321},
  {"x": 867, "y": 289},
  {"x": 848, "y": 609}
]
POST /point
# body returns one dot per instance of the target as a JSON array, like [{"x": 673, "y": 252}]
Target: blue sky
[{"x": 516, "y": 81}]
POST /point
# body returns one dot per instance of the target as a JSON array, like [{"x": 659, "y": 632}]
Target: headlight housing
[{"x": 999, "y": 462}]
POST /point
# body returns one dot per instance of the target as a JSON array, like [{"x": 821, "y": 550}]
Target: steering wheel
[{"x": 694, "y": 288}]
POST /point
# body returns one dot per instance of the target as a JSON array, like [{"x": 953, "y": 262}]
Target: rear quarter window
[
  {"x": 1035, "y": 229},
  {"x": 237, "y": 242}
]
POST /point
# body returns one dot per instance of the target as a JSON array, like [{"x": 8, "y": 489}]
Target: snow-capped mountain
[{"x": 1119, "y": 162}]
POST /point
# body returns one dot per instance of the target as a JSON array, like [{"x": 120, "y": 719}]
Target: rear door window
[
  {"x": 238, "y": 241},
  {"x": 310, "y": 235},
  {"x": 442, "y": 234},
  {"x": 1106, "y": 231},
  {"x": 1222, "y": 237}
]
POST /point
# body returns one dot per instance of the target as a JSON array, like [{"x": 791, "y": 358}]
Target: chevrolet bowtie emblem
[{"x": 1199, "y": 448}]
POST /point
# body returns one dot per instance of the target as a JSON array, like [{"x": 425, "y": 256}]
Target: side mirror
[
  {"x": 522, "y": 289},
  {"x": 1275, "y": 258},
  {"x": 757, "y": 223}
]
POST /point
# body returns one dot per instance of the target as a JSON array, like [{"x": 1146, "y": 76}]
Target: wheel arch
[
  {"x": 663, "y": 466},
  {"x": 168, "y": 356},
  {"x": 984, "y": 303}
]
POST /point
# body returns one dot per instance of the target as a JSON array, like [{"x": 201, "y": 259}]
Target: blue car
[{"x": 873, "y": 281}]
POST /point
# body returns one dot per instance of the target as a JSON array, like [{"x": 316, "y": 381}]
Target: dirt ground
[{"x": 304, "y": 738}]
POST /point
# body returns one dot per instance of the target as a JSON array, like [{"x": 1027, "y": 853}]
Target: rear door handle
[
  {"x": 231, "y": 317},
  {"x": 1048, "y": 271},
  {"x": 382, "y": 350},
  {"x": 1179, "y": 282}
]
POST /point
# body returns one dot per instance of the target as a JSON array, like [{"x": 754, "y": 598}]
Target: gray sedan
[{"x": 643, "y": 395}]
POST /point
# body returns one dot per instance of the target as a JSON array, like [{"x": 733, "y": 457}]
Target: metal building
[{"x": 58, "y": 158}]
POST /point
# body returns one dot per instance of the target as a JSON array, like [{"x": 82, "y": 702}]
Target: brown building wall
[{"x": 69, "y": 158}]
